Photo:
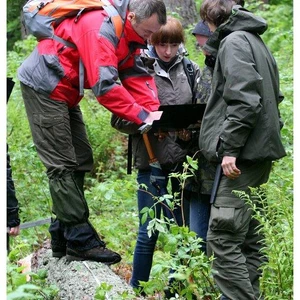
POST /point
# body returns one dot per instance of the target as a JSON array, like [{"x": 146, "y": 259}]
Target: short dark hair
[
  {"x": 144, "y": 9},
  {"x": 171, "y": 32}
]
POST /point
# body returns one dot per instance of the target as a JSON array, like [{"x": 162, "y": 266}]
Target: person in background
[
  {"x": 51, "y": 91},
  {"x": 13, "y": 220},
  {"x": 199, "y": 189},
  {"x": 241, "y": 130},
  {"x": 12, "y": 203},
  {"x": 200, "y": 205},
  {"x": 202, "y": 33},
  {"x": 165, "y": 61}
]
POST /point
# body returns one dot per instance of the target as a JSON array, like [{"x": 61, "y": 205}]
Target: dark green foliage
[{"x": 13, "y": 14}]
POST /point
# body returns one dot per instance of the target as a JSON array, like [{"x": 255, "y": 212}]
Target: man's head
[
  {"x": 146, "y": 16},
  {"x": 202, "y": 33}
]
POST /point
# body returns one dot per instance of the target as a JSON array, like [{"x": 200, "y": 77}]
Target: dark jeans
[
  {"x": 144, "y": 249},
  {"x": 199, "y": 216},
  {"x": 61, "y": 142}
]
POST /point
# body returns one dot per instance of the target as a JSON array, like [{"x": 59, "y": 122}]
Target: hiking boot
[
  {"x": 58, "y": 251},
  {"x": 100, "y": 254}
]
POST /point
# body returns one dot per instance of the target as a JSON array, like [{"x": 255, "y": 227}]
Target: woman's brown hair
[
  {"x": 216, "y": 11},
  {"x": 171, "y": 32}
]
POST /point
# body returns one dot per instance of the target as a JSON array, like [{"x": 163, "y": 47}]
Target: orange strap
[{"x": 149, "y": 148}]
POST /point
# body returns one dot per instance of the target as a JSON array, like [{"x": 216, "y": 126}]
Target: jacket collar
[{"x": 131, "y": 35}]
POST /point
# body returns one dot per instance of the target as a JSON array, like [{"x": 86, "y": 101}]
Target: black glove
[{"x": 210, "y": 61}]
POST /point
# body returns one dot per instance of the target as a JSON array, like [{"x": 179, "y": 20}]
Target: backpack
[
  {"x": 40, "y": 17},
  {"x": 189, "y": 71}
]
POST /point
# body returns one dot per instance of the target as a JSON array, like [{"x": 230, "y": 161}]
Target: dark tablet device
[{"x": 176, "y": 117}]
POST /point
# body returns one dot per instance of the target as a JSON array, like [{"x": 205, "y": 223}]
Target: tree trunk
[{"x": 184, "y": 9}]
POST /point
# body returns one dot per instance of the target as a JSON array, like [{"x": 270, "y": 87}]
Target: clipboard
[{"x": 180, "y": 116}]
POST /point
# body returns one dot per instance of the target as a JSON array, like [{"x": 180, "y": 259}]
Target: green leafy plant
[
  {"x": 182, "y": 264},
  {"x": 276, "y": 222},
  {"x": 102, "y": 293},
  {"x": 18, "y": 286}
]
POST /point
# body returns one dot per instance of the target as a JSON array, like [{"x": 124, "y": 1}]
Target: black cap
[{"x": 202, "y": 29}]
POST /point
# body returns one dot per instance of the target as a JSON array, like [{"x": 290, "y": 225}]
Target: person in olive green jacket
[{"x": 241, "y": 130}]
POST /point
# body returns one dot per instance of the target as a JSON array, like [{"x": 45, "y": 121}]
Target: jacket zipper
[{"x": 151, "y": 89}]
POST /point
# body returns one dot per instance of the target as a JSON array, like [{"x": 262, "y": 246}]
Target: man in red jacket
[{"x": 50, "y": 86}]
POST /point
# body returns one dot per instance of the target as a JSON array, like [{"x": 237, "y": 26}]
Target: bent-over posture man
[{"x": 50, "y": 86}]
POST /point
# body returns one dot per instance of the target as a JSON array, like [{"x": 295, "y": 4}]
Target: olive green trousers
[
  {"x": 233, "y": 236},
  {"x": 61, "y": 142}
]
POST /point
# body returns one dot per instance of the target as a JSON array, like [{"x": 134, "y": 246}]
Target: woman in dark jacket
[{"x": 165, "y": 61}]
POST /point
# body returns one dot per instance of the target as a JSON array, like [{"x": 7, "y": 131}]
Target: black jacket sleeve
[{"x": 12, "y": 202}]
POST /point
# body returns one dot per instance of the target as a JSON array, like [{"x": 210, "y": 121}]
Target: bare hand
[
  {"x": 229, "y": 167},
  {"x": 14, "y": 231}
]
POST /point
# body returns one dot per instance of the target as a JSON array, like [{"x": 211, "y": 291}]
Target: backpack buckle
[{"x": 78, "y": 15}]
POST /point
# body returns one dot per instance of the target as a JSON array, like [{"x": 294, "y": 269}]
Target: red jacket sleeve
[{"x": 135, "y": 95}]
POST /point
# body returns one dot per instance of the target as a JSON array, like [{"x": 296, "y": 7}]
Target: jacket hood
[
  {"x": 151, "y": 59},
  {"x": 151, "y": 53},
  {"x": 121, "y": 6},
  {"x": 240, "y": 20}
]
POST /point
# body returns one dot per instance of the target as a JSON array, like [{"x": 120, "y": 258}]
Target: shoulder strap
[
  {"x": 189, "y": 71},
  {"x": 115, "y": 17}
]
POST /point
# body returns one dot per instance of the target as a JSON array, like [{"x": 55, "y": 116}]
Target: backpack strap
[
  {"x": 64, "y": 42},
  {"x": 115, "y": 17},
  {"x": 189, "y": 71}
]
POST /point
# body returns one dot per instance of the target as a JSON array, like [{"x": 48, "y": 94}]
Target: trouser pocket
[
  {"x": 53, "y": 130},
  {"x": 228, "y": 219},
  {"x": 229, "y": 215}
]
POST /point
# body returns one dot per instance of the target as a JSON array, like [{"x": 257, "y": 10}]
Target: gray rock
[{"x": 78, "y": 280}]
